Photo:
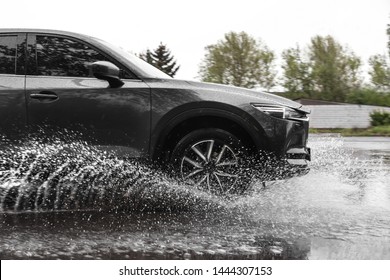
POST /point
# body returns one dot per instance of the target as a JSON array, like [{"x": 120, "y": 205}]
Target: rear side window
[
  {"x": 8, "y": 54},
  {"x": 58, "y": 56}
]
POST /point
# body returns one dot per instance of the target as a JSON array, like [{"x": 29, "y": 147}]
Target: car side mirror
[{"x": 104, "y": 70}]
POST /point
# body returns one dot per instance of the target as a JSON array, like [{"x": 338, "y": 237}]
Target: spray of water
[
  {"x": 345, "y": 194},
  {"x": 343, "y": 201},
  {"x": 37, "y": 176},
  {"x": 68, "y": 175}
]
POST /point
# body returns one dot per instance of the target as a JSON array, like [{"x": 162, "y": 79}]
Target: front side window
[
  {"x": 58, "y": 56},
  {"x": 8, "y": 54}
]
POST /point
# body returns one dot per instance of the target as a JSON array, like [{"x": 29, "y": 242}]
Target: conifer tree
[{"x": 162, "y": 59}]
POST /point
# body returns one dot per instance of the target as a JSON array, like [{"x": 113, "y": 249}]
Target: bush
[
  {"x": 368, "y": 97},
  {"x": 380, "y": 118}
]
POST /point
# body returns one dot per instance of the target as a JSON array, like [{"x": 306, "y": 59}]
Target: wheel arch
[{"x": 180, "y": 121}]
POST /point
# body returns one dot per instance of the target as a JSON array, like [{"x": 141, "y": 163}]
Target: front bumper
[
  {"x": 293, "y": 164},
  {"x": 298, "y": 156},
  {"x": 284, "y": 153}
]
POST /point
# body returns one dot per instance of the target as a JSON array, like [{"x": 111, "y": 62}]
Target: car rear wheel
[{"x": 211, "y": 159}]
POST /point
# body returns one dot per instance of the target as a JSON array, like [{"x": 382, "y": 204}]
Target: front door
[{"x": 64, "y": 100}]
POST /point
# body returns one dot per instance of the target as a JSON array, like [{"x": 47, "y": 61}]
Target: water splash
[
  {"x": 346, "y": 194},
  {"x": 343, "y": 204},
  {"x": 60, "y": 175},
  {"x": 333, "y": 157},
  {"x": 69, "y": 175}
]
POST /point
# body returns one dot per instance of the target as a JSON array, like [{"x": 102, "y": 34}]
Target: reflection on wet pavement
[
  {"x": 139, "y": 236},
  {"x": 340, "y": 210}
]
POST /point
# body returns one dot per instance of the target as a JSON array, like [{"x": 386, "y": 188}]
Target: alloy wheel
[{"x": 211, "y": 165}]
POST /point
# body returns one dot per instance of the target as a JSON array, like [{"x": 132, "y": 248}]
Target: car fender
[{"x": 204, "y": 109}]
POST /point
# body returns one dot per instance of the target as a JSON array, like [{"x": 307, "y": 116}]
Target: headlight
[{"x": 281, "y": 112}]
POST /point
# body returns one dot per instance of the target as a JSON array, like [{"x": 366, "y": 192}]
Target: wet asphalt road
[{"x": 340, "y": 210}]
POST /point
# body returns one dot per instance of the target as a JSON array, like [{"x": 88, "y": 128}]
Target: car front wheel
[{"x": 211, "y": 159}]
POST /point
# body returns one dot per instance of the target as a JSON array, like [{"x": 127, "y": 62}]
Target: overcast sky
[{"x": 187, "y": 26}]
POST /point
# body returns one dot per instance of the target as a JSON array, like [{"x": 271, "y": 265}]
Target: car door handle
[{"x": 44, "y": 96}]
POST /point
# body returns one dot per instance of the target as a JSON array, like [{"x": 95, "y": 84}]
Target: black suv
[{"x": 54, "y": 80}]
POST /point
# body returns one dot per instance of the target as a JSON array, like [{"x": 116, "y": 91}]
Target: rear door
[
  {"x": 12, "y": 83},
  {"x": 65, "y": 101}
]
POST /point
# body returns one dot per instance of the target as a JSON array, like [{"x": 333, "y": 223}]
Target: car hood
[{"x": 253, "y": 95}]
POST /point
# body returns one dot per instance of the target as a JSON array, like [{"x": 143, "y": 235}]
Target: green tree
[
  {"x": 380, "y": 67},
  {"x": 296, "y": 77},
  {"x": 162, "y": 59},
  {"x": 333, "y": 69},
  {"x": 239, "y": 60},
  {"x": 327, "y": 70},
  {"x": 388, "y": 38},
  {"x": 380, "y": 72}
]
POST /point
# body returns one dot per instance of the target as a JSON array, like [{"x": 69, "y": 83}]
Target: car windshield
[{"x": 142, "y": 66}]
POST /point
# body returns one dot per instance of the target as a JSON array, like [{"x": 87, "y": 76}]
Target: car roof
[{"x": 46, "y": 31}]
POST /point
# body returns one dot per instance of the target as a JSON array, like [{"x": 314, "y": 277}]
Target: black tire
[{"x": 213, "y": 160}]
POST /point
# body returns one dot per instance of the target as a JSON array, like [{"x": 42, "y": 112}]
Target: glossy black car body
[{"x": 48, "y": 82}]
